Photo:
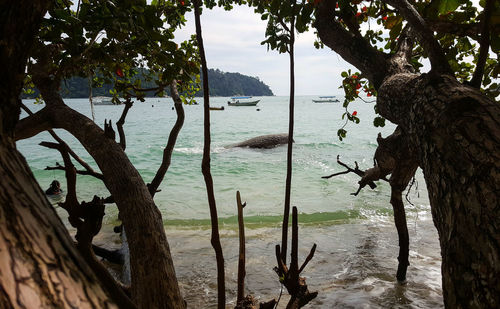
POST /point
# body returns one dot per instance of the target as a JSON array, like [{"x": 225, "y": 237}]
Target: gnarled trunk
[{"x": 455, "y": 131}]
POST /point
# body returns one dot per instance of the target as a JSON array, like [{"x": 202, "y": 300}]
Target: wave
[
  {"x": 259, "y": 221},
  {"x": 199, "y": 149}
]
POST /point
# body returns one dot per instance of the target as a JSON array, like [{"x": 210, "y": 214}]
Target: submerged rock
[{"x": 264, "y": 141}]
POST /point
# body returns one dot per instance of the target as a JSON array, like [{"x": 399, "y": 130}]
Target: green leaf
[
  {"x": 393, "y": 21},
  {"x": 446, "y": 6},
  {"x": 495, "y": 42},
  {"x": 379, "y": 122}
]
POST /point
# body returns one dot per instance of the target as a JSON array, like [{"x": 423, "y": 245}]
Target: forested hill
[
  {"x": 230, "y": 84},
  {"x": 220, "y": 83}
]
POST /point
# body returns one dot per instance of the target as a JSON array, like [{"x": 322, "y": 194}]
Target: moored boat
[
  {"x": 102, "y": 101},
  {"x": 326, "y": 99},
  {"x": 242, "y": 101}
]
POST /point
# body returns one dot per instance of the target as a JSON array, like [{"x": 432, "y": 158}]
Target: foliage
[
  {"x": 230, "y": 84},
  {"x": 457, "y": 26},
  {"x": 221, "y": 84},
  {"x": 110, "y": 41}
]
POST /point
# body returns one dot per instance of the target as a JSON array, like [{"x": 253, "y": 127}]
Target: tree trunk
[
  {"x": 455, "y": 131},
  {"x": 40, "y": 267}
]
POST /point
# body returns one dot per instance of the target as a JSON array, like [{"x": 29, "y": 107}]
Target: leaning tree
[
  {"x": 109, "y": 40},
  {"x": 448, "y": 121}
]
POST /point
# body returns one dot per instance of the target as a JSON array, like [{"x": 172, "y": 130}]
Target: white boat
[
  {"x": 102, "y": 101},
  {"x": 326, "y": 99},
  {"x": 242, "y": 101}
]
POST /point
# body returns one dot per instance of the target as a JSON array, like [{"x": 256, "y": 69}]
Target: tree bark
[
  {"x": 455, "y": 131},
  {"x": 40, "y": 265}
]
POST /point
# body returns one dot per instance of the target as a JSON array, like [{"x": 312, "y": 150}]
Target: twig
[
  {"x": 356, "y": 171},
  {"x": 80, "y": 172}
]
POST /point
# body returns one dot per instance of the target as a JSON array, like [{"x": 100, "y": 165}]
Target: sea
[{"x": 355, "y": 262}]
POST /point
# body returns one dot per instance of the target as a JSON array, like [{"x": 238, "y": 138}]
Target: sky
[{"x": 232, "y": 44}]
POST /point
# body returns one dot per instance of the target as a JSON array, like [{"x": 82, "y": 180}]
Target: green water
[{"x": 357, "y": 243}]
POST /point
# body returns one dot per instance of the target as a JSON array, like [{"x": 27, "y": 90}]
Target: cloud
[{"x": 232, "y": 44}]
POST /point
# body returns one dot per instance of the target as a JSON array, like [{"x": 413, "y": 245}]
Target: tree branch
[
  {"x": 33, "y": 124},
  {"x": 364, "y": 179},
  {"x": 172, "y": 139},
  {"x": 352, "y": 48},
  {"x": 484, "y": 45},
  {"x": 88, "y": 169},
  {"x": 421, "y": 29},
  {"x": 79, "y": 172},
  {"x": 241, "y": 257},
  {"x": 400, "y": 60},
  {"x": 205, "y": 165},
  {"x": 289, "y": 153},
  {"x": 121, "y": 122}
]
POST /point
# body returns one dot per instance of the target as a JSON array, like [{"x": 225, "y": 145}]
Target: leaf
[
  {"x": 495, "y": 42},
  {"x": 446, "y": 6},
  {"x": 393, "y": 21},
  {"x": 379, "y": 122}
]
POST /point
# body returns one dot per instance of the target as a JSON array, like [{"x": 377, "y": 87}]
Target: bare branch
[
  {"x": 205, "y": 165},
  {"x": 79, "y": 172},
  {"x": 356, "y": 171},
  {"x": 289, "y": 277},
  {"x": 308, "y": 258},
  {"x": 121, "y": 122},
  {"x": 241, "y": 257},
  {"x": 172, "y": 139},
  {"x": 88, "y": 169}
]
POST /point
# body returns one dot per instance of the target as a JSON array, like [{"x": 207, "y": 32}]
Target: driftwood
[
  {"x": 290, "y": 276},
  {"x": 242, "y": 301}
]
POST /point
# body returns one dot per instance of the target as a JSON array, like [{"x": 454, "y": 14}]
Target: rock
[{"x": 264, "y": 141}]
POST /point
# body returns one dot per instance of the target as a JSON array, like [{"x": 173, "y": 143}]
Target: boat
[
  {"x": 217, "y": 108},
  {"x": 102, "y": 101},
  {"x": 242, "y": 101},
  {"x": 326, "y": 99}
]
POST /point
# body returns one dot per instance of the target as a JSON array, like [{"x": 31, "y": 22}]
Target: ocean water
[{"x": 356, "y": 259}]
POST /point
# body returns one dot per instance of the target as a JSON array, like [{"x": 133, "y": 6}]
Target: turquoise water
[{"x": 357, "y": 244}]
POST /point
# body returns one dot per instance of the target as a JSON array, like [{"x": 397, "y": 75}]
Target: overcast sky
[{"x": 232, "y": 44}]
